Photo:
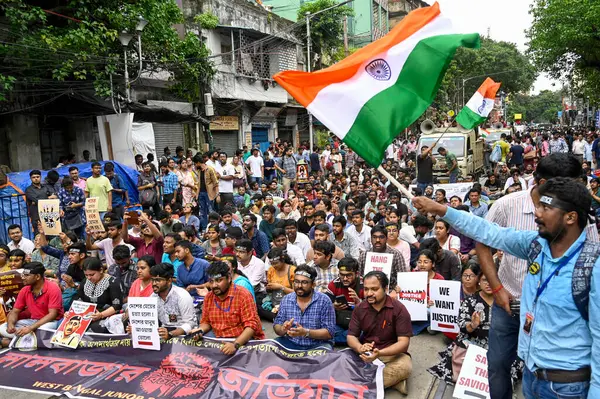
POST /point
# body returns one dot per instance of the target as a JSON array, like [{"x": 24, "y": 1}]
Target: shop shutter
[
  {"x": 226, "y": 140},
  {"x": 167, "y": 135}
]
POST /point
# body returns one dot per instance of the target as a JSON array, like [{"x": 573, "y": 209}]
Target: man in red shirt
[
  {"x": 228, "y": 311},
  {"x": 151, "y": 241},
  {"x": 41, "y": 298},
  {"x": 380, "y": 328},
  {"x": 346, "y": 292}
]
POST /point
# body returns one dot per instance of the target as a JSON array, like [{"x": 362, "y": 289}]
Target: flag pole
[{"x": 395, "y": 182}]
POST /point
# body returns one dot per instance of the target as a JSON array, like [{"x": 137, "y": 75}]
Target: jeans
[
  {"x": 204, "y": 207},
  {"x": 502, "y": 352},
  {"x": 533, "y": 388},
  {"x": 453, "y": 177},
  {"x": 255, "y": 179},
  {"x": 285, "y": 341},
  {"x": 341, "y": 335},
  {"x": 226, "y": 200},
  {"x": 52, "y": 325},
  {"x": 423, "y": 186}
]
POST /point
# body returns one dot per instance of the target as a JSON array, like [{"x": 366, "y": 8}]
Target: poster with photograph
[
  {"x": 49, "y": 210},
  {"x": 93, "y": 215},
  {"x": 74, "y": 324},
  {"x": 143, "y": 316},
  {"x": 413, "y": 294}
]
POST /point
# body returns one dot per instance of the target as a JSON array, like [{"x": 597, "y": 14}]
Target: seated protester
[
  {"x": 326, "y": 269},
  {"x": 425, "y": 263},
  {"x": 280, "y": 240},
  {"x": 192, "y": 272},
  {"x": 16, "y": 259},
  {"x": 446, "y": 240},
  {"x": 41, "y": 299},
  {"x": 306, "y": 318},
  {"x": 241, "y": 199},
  {"x": 176, "y": 312},
  {"x": 151, "y": 241},
  {"x": 298, "y": 239},
  {"x": 188, "y": 219},
  {"x": 214, "y": 245},
  {"x": 346, "y": 292},
  {"x": 227, "y": 219},
  {"x": 108, "y": 244},
  {"x": 213, "y": 218},
  {"x": 379, "y": 244},
  {"x": 280, "y": 282},
  {"x": 17, "y": 241},
  {"x": 228, "y": 311},
  {"x": 166, "y": 222},
  {"x": 318, "y": 219},
  {"x": 74, "y": 276},
  {"x": 467, "y": 244},
  {"x": 342, "y": 239},
  {"x": 101, "y": 289},
  {"x": 232, "y": 235},
  {"x": 260, "y": 242},
  {"x": 455, "y": 201},
  {"x": 447, "y": 264},
  {"x": 322, "y": 232},
  {"x": 142, "y": 286},
  {"x": 169, "y": 255},
  {"x": 395, "y": 242},
  {"x": 4, "y": 251},
  {"x": 66, "y": 240},
  {"x": 421, "y": 226},
  {"x": 39, "y": 255},
  {"x": 189, "y": 234},
  {"x": 252, "y": 267},
  {"x": 268, "y": 222},
  {"x": 306, "y": 222},
  {"x": 368, "y": 336},
  {"x": 474, "y": 319},
  {"x": 124, "y": 269},
  {"x": 239, "y": 278}
]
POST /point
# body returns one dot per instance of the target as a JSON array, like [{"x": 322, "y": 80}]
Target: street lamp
[{"x": 125, "y": 37}]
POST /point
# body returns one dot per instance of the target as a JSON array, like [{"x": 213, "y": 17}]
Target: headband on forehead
[
  {"x": 305, "y": 274},
  {"x": 216, "y": 276},
  {"x": 557, "y": 203},
  {"x": 75, "y": 250},
  {"x": 4, "y": 251}
]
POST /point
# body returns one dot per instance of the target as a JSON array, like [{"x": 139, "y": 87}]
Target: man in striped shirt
[{"x": 517, "y": 211}]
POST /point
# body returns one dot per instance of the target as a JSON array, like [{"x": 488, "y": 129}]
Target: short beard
[{"x": 553, "y": 237}]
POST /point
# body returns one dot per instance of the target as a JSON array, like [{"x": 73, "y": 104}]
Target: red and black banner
[{"x": 108, "y": 367}]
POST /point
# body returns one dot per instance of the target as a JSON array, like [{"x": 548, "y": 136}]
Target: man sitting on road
[
  {"x": 346, "y": 292},
  {"x": 379, "y": 244},
  {"x": 325, "y": 267},
  {"x": 191, "y": 275},
  {"x": 306, "y": 318}
]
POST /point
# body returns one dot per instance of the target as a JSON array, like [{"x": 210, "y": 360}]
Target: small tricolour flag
[
  {"x": 483, "y": 132},
  {"x": 476, "y": 111},
  {"x": 370, "y": 97}
]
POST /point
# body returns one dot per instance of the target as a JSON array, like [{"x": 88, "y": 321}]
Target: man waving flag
[
  {"x": 370, "y": 97},
  {"x": 476, "y": 111}
]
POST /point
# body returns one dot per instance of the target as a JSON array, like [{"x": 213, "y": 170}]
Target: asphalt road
[{"x": 424, "y": 349}]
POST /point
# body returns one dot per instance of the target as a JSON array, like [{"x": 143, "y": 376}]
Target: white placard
[
  {"x": 446, "y": 304},
  {"x": 379, "y": 262},
  {"x": 143, "y": 316},
  {"x": 452, "y": 189},
  {"x": 473, "y": 378},
  {"x": 413, "y": 294}
]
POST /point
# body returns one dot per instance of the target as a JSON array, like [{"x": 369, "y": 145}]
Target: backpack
[
  {"x": 496, "y": 155},
  {"x": 582, "y": 273}
]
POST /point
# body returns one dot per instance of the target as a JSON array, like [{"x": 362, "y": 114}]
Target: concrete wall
[
  {"x": 23, "y": 135},
  {"x": 81, "y": 132}
]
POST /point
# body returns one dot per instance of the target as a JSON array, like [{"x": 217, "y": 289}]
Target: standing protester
[
  {"x": 451, "y": 164},
  {"x": 77, "y": 181},
  {"x": 170, "y": 184},
  {"x": 208, "y": 189},
  {"x": 72, "y": 202},
  {"x": 99, "y": 186},
  {"x": 120, "y": 195},
  {"x": 425, "y": 162},
  {"x": 148, "y": 189},
  {"x": 225, "y": 174},
  {"x": 287, "y": 166},
  {"x": 256, "y": 167},
  {"x": 35, "y": 192}
]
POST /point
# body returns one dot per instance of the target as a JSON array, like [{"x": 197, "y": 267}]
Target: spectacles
[
  {"x": 302, "y": 282},
  {"x": 469, "y": 276},
  {"x": 346, "y": 276},
  {"x": 158, "y": 279}
]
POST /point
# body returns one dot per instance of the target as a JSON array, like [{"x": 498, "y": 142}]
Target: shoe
[{"x": 402, "y": 387}]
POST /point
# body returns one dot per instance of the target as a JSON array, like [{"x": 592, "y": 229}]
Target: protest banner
[
  {"x": 413, "y": 294},
  {"x": 11, "y": 283},
  {"x": 452, "y": 189},
  {"x": 143, "y": 317},
  {"x": 93, "y": 215},
  {"x": 74, "y": 324},
  {"x": 473, "y": 378},
  {"x": 49, "y": 211},
  {"x": 379, "y": 262},
  {"x": 446, "y": 304},
  {"x": 109, "y": 367}
]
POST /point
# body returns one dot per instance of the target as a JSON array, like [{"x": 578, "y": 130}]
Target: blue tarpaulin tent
[{"x": 13, "y": 209}]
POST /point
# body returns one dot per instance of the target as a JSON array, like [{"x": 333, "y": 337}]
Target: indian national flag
[
  {"x": 483, "y": 132},
  {"x": 370, "y": 97},
  {"x": 479, "y": 106}
]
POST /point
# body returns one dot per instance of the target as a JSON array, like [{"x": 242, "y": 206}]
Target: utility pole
[
  {"x": 308, "y": 68},
  {"x": 346, "y": 51}
]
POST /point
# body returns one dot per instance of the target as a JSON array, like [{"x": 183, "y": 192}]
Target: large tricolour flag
[
  {"x": 476, "y": 111},
  {"x": 370, "y": 97}
]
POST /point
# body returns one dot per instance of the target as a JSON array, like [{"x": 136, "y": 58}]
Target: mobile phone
[
  {"x": 194, "y": 335},
  {"x": 341, "y": 299},
  {"x": 134, "y": 217}
]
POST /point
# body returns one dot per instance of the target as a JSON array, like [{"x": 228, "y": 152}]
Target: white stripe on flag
[{"x": 480, "y": 105}]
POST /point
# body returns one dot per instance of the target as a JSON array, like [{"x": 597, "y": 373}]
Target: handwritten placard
[
  {"x": 49, "y": 211},
  {"x": 379, "y": 262},
  {"x": 473, "y": 378},
  {"x": 446, "y": 304},
  {"x": 93, "y": 215},
  {"x": 143, "y": 316}
]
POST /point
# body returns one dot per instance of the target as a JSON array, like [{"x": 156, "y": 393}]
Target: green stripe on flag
[
  {"x": 468, "y": 119},
  {"x": 391, "y": 111}
]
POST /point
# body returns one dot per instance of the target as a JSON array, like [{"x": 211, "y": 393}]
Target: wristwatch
[
  {"x": 169, "y": 336},
  {"x": 307, "y": 333},
  {"x": 237, "y": 345}
]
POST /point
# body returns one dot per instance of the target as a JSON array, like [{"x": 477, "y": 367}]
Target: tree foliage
[
  {"x": 564, "y": 41},
  {"x": 326, "y": 29},
  {"x": 79, "y": 48},
  {"x": 540, "y": 108}
]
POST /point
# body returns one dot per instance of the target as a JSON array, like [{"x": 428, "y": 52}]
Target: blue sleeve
[
  {"x": 264, "y": 243},
  {"x": 280, "y": 318},
  {"x": 194, "y": 221},
  {"x": 512, "y": 241},
  {"x": 54, "y": 252},
  {"x": 329, "y": 316},
  {"x": 594, "y": 326},
  {"x": 179, "y": 282}
]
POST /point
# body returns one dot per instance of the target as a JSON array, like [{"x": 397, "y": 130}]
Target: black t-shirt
[
  {"x": 424, "y": 169},
  {"x": 76, "y": 273},
  {"x": 202, "y": 181},
  {"x": 517, "y": 154},
  {"x": 492, "y": 187},
  {"x": 304, "y": 226}
]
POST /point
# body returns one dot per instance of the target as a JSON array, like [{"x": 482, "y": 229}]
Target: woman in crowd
[
  {"x": 187, "y": 219},
  {"x": 426, "y": 263},
  {"x": 214, "y": 245},
  {"x": 470, "y": 279},
  {"x": 289, "y": 210},
  {"x": 189, "y": 187},
  {"x": 38, "y": 255},
  {"x": 101, "y": 289},
  {"x": 237, "y": 276},
  {"x": 142, "y": 287},
  {"x": 474, "y": 323},
  {"x": 280, "y": 282},
  {"x": 240, "y": 173},
  {"x": 447, "y": 241},
  {"x": 440, "y": 196},
  {"x": 394, "y": 241},
  {"x": 336, "y": 159}
]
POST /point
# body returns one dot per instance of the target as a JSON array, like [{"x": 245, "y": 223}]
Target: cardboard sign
[
  {"x": 458, "y": 189},
  {"x": 413, "y": 294},
  {"x": 93, "y": 215},
  {"x": 143, "y": 316},
  {"x": 11, "y": 283},
  {"x": 446, "y": 304},
  {"x": 379, "y": 262},
  {"x": 473, "y": 378},
  {"x": 49, "y": 211},
  {"x": 74, "y": 324}
]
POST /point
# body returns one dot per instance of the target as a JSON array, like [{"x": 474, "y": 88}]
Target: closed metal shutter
[
  {"x": 167, "y": 135},
  {"x": 285, "y": 134},
  {"x": 226, "y": 140}
]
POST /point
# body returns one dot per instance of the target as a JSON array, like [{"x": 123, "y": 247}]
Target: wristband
[{"x": 496, "y": 290}]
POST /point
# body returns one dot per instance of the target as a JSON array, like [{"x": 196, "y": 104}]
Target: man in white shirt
[
  {"x": 250, "y": 265},
  {"x": 18, "y": 241},
  {"x": 256, "y": 166},
  {"x": 298, "y": 239},
  {"x": 225, "y": 174},
  {"x": 360, "y": 230},
  {"x": 213, "y": 159},
  {"x": 579, "y": 147},
  {"x": 280, "y": 240},
  {"x": 325, "y": 155}
]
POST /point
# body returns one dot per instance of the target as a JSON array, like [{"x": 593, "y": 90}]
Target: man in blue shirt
[
  {"x": 306, "y": 318},
  {"x": 260, "y": 242},
  {"x": 556, "y": 341},
  {"x": 170, "y": 184},
  {"x": 191, "y": 275}
]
